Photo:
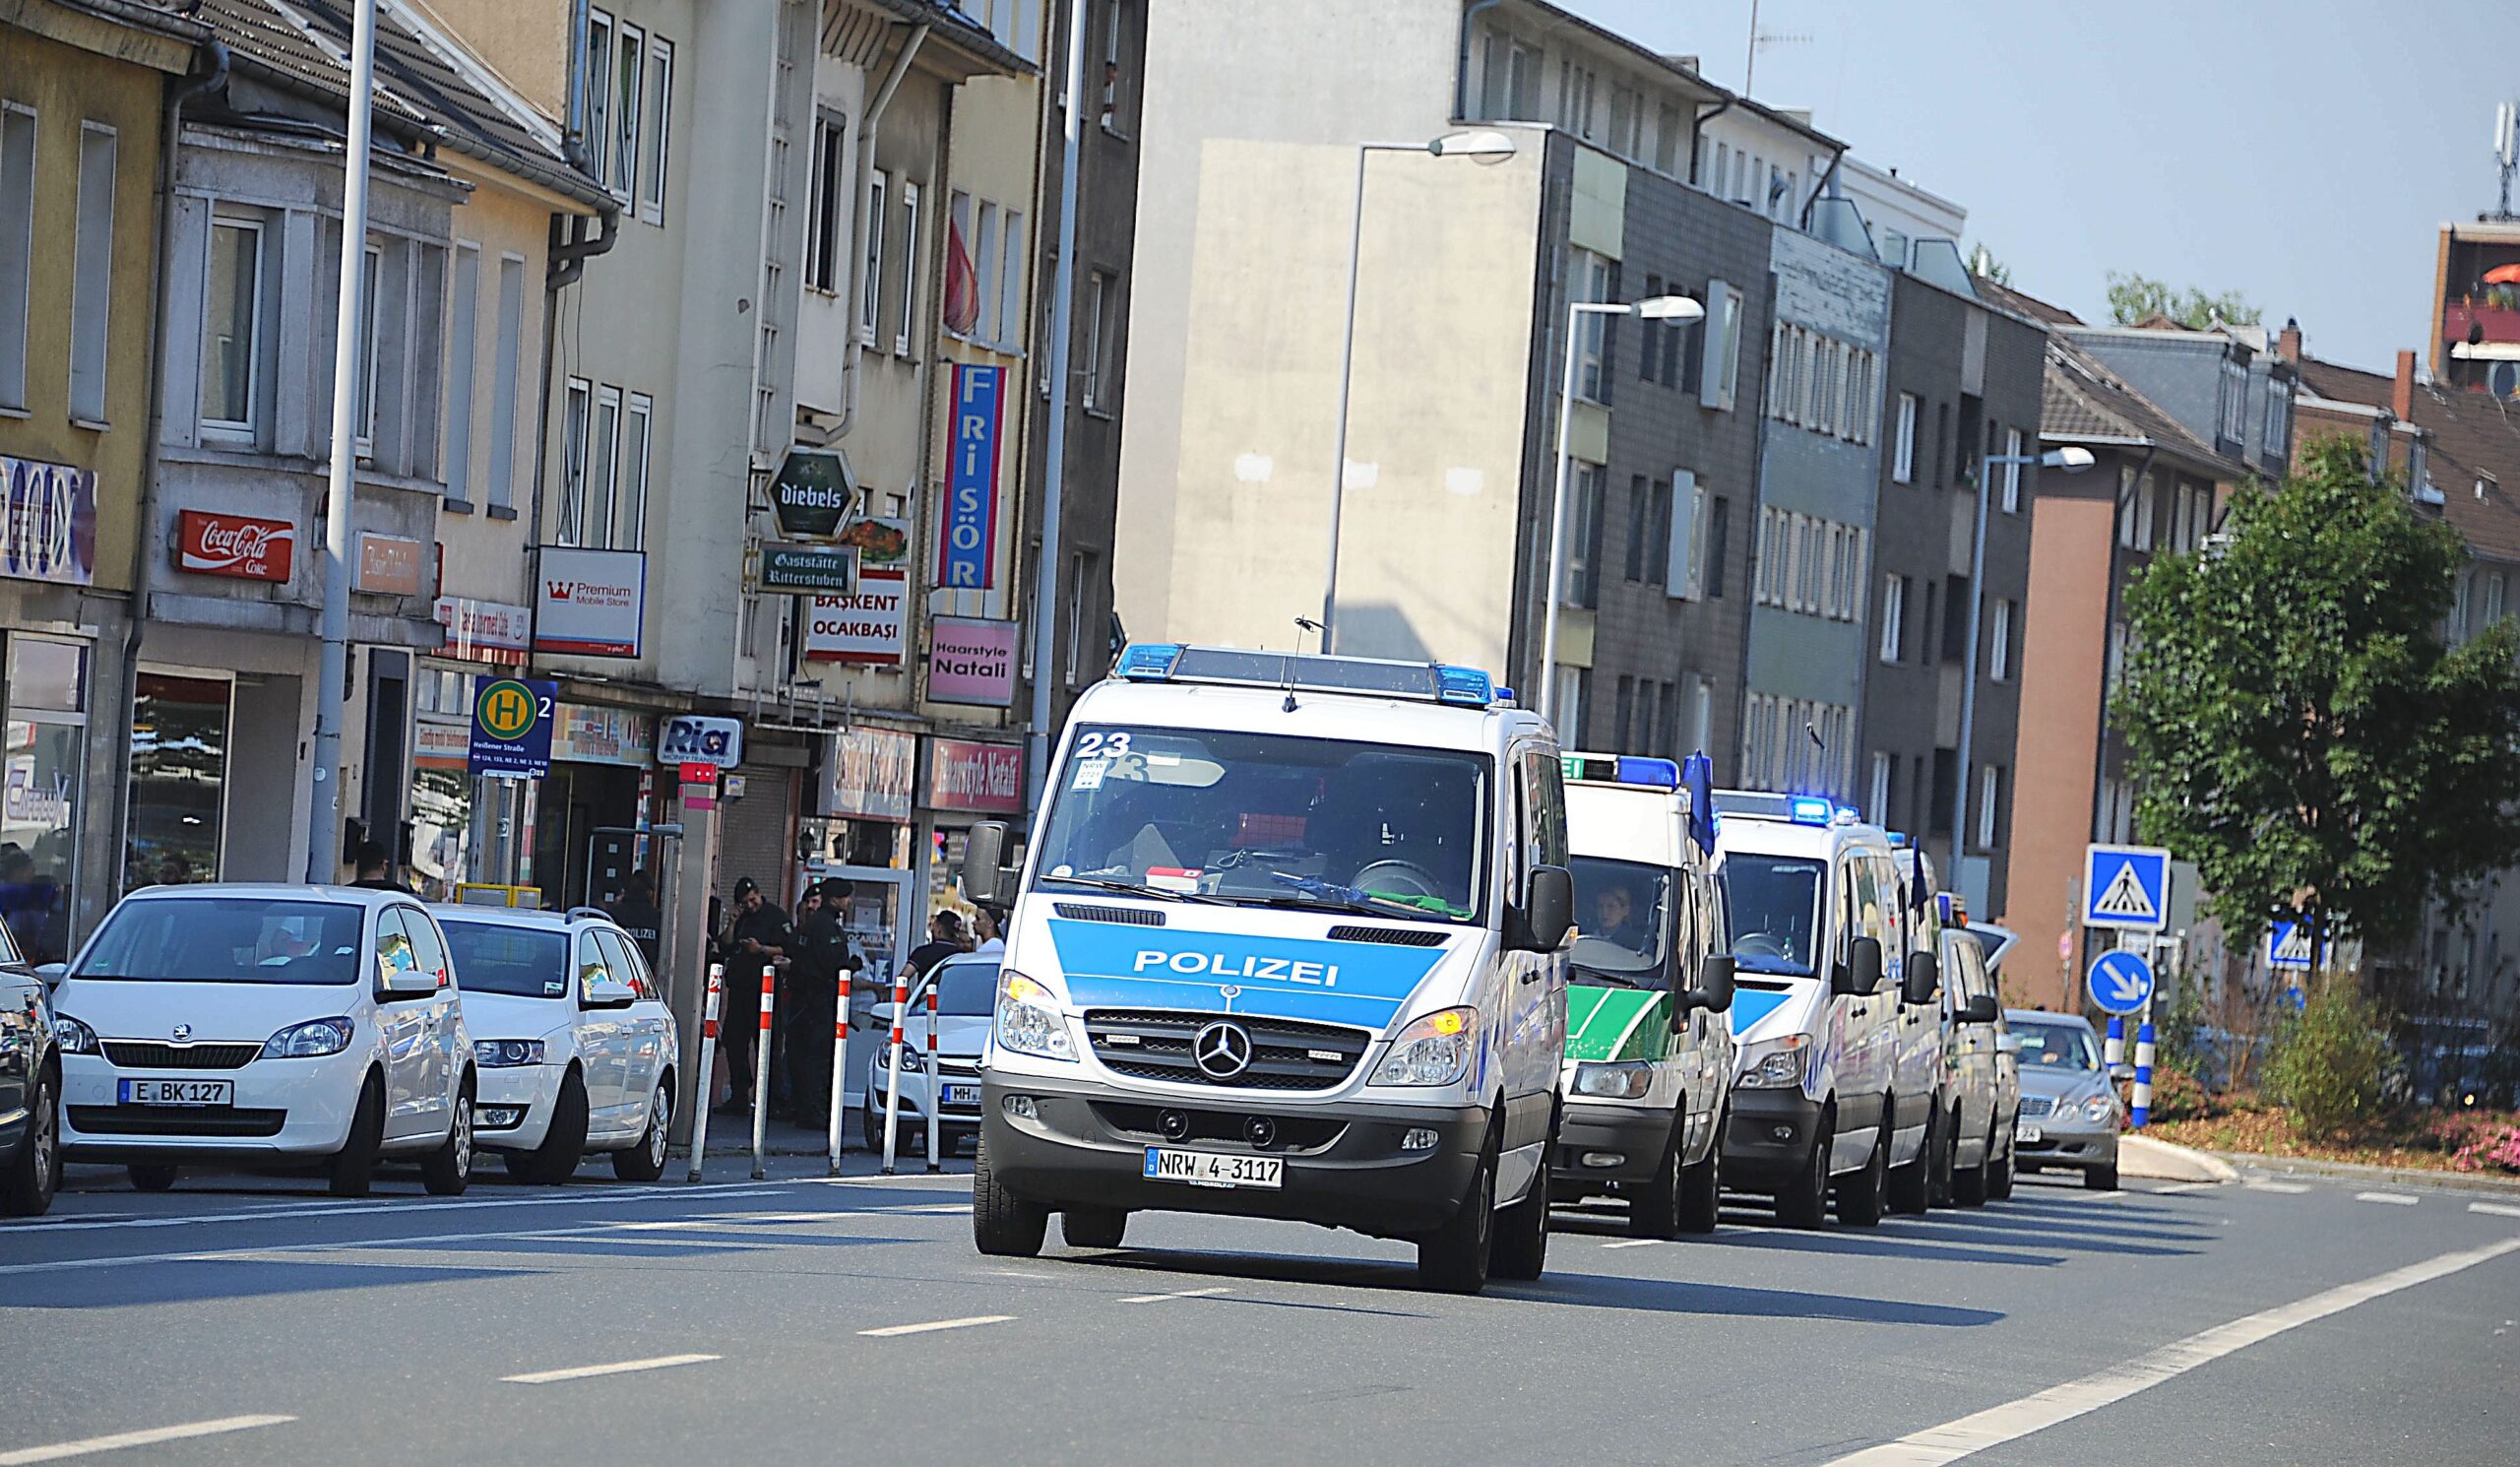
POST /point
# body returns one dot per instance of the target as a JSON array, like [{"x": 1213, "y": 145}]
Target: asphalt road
[{"x": 804, "y": 1318}]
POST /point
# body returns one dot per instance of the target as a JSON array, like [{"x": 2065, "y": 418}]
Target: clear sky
[{"x": 2301, "y": 152}]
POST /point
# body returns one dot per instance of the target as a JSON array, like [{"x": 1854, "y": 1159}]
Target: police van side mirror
[
  {"x": 1923, "y": 979},
  {"x": 1980, "y": 1010},
  {"x": 1860, "y": 972},
  {"x": 1714, "y": 991},
  {"x": 984, "y": 877},
  {"x": 1549, "y": 909}
]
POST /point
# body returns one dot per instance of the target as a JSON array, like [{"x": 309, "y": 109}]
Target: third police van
[
  {"x": 1820, "y": 939},
  {"x": 1649, "y": 1053}
]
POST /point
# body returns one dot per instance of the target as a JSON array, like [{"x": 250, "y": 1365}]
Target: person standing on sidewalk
[
  {"x": 756, "y": 935},
  {"x": 824, "y": 961},
  {"x": 989, "y": 925},
  {"x": 944, "y": 940},
  {"x": 637, "y": 911}
]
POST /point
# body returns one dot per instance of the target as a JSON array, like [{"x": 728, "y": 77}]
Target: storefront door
[{"x": 179, "y": 741}]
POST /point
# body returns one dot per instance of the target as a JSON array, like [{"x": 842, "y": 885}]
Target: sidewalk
[
  {"x": 2419, "y": 1176},
  {"x": 730, "y": 1135}
]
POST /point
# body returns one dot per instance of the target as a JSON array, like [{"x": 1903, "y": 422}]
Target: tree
[
  {"x": 2297, "y": 728},
  {"x": 1983, "y": 262},
  {"x": 2133, "y": 298}
]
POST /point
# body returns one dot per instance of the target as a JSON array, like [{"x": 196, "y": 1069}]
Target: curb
[
  {"x": 2139, "y": 1154},
  {"x": 2412, "y": 1177}
]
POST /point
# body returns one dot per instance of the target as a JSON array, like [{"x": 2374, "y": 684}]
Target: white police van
[
  {"x": 1649, "y": 1053},
  {"x": 1286, "y": 944},
  {"x": 1824, "y": 974}
]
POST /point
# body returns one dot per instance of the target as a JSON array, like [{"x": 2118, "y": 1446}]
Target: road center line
[
  {"x": 2494, "y": 1209},
  {"x": 1997, "y": 1425},
  {"x": 2402, "y": 1199},
  {"x": 286, "y": 1213},
  {"x": 149, "y": 1438},
  {"x": 890, "y": 1330},
  {"x": 1633, "y": 1242},
  {"x": 2181, "y": 1188},
  {"x": 1176, "y": 1293},
  {"x": 618, "y": 1367},
  {"x": 2288, "y": 1188}
]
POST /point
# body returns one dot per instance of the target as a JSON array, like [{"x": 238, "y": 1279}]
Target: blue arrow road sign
[
  {"x": 2121, "y": 982},
  {"x": 2126, "y": 886}
]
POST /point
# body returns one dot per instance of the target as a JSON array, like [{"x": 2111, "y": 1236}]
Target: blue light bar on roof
[
  {"x": 1810, "y": 809},
  {"x": 1469, "y": 687},
  {"x": 1150, "y": 661},
  {"x": 1621, "y": 769}
]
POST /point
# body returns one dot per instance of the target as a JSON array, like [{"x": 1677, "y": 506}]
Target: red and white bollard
[
  {"x": 839, "y": 1067},
  {"x": 893, "y": 1069},
  {"x": 707, "y": 1089},
  {"x": 761, "y": 1075},
  {"x": 936, "y": 1077}
]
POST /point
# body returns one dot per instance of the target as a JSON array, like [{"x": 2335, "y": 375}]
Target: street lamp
[
  {"x": 2072, "y": 459},
  {"x": 1487, "y": 145},
  {"x": 1675, "y": 308}
]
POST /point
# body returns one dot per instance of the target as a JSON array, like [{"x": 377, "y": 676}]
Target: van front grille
[{"x": 1286, "y": 1055}]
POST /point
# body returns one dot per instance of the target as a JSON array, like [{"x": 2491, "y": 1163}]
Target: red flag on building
[{"x": 961, "y": 284}]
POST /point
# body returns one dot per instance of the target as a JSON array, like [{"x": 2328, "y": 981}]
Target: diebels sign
[
  {"x": 967, "y": 543},
  {"x": 813, "y": 494},
  {"x": 208, "y": 544},
  {"x": 691, "y": 739}
]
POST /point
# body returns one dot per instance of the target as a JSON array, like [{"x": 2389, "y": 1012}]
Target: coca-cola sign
[{"x": 248, "y": 549}]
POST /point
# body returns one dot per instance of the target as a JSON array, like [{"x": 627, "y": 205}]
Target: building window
[
  {"x": 371, "y": 279},
  {"x": 1903, "y": 443},
  {"x": 2278, "y": 419},
  {"x": 17, "y": 247},
  {"x": 1010, "y": 295},
  {"x": 906, "y": 331},
  {"x": 1640, "y": 512},
  {"x": 1593, "y": 284},
  {"x": 575, "y": 428},
  {"x": 1877, "y": 805},
  {"x": 636, "y": 423},
  {"x": 464, "y": 293},
  {"x": 1079, "y": 567},
  {"x": 503, "y": 386},
  {"x": 870, "y": 283},
  {"x": 2012, "y": 470},
  {"x": 823, "y": 247},
  {"x": 1650, "y": 336},
  {"x": 1575, "y": 86},
  {"x": 2144, "y": 496},
  {"x": 604, "y": 468},
  {"x": 1583, "y": 535},
  {"x": 1724, "y": 313},
  {"x": 629, "y": 75},
  {"x": 1990, "y": 787},
  {"x": 1719, "y": 530},
  {"x": 1894, "y": 615},
  {"x": 2234, "y": 400},
  {"x": 1116, "y": 53},
  {"x": 231, "y": 322},
  {"x": 983, "y": 246},
  {"x": 1999, "y": 642},
  {"x": 91, "y": 279},
  {"x": 1101, "y": 307},
  {"x": 596, "y": 78},
  {"x": 1662, "y": 552},
  {"x": 652, "y": 169}
]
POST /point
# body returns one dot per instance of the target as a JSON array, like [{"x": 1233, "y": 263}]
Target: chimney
[
  {"x": 2288, "y": 345},
  {"x": 2401, "y": 399}
]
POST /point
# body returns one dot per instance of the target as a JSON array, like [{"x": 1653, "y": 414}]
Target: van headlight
[
  {"x": 1029, "y": 1021},
  {"x": 1433, "y": 1050},
  {"x": 1777, "y": 1069},
  {"x": 1628, "y": 1079},
  {"x": 311, "y": 1040}
]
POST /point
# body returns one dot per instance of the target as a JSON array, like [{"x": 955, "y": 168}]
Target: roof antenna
[{"x": 1307, "y": 623}]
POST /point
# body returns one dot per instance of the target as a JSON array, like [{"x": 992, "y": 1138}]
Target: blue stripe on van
[{"x": 1362, "y": 983}]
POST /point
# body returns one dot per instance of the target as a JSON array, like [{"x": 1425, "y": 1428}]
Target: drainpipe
[
  {"x": 1461, "y": 71},
  {"x": 860, "y": 222},
  {"x": 1697, "y": 130},
  {"x": 209, "y": 74},
  {"x": 1824, "y": 189}
]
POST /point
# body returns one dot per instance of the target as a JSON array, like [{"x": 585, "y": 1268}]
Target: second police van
[
  {"x": 1649, "y": 1050},
  {"x": 1822, "y": 948},
  {"x": 1286, "y": 943}
]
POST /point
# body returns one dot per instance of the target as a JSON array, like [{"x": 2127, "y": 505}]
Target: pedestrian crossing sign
[{"x": 2126, "y": 886}]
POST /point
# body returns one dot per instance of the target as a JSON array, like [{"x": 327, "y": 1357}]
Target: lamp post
[
  {"x": 2070, "y": 459},
  {"x": 1489, "y": 147},
  {"x": 1678, "y": 308}
]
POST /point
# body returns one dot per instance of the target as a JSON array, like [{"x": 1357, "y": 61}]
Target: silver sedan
[{"x": 2069, "y": 1111}]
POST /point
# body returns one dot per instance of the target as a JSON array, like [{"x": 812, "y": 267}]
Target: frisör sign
[{"x": 965, "y": 559}]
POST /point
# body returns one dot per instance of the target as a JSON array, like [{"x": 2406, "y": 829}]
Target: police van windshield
[
  {"x": 1266, "y": 819},
  {"x": 1622, "y": 922},
  {"x": 1774, "y": 902}
]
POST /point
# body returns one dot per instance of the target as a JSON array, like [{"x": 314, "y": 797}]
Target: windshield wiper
[
  {"x": 1135, "y": 889},
  {"x": 1608, "y": 977},
  {"x": 1358, "y": 899}
]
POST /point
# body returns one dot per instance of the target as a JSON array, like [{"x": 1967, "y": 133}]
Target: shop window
[
  {"x": 46, "y": 749},
  {"x": 178, "y": 779}
]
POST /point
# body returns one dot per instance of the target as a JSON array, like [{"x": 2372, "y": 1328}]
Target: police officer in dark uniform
[
  {"x": 637, "y": 911},
  {"x": 824, "y": 960}
]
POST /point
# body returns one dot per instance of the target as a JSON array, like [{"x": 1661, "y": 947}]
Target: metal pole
[
  {"x": 761, "y": 1075},
  {"x": 324, "y": 823},
  {"x": 707, "y": 1090},
  {"x": 1046, "y": 571},
  {"x": 1968, "y": 676},
  {"x": 1347, "y": 376},
  {"x": 1548, "y": 674}
]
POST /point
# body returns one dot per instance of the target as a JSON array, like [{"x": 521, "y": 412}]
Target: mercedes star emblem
[
  {"x": 183, "y": 1032},
  {"x": 1223, "y": 1050}
]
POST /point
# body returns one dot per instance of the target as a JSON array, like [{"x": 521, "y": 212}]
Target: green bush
[
  {"x": 2176, "y": 1096},
  {"x": 2329, "y": 1061}
]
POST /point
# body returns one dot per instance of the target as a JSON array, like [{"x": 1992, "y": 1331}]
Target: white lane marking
[
  {"x": 2013, "y": 1420},
  {"x": 618, "y": 1367},
  {"x": 1633, "y": 1242},
  {"x": 730, "y": 1220},
  {"x": 2494, "y": 1209},
  {"x": 2181, "y": 1188},
  {"x": 286, "y": 1212},
  {"x": 1017, "y": 1273},
  {"x": 439, "y": 1243},
  {"x": 2288, "y": 1188},
  {"x": 149, "y": 1438},
  {"x": 2402, "y": 1199},
  {"x": 933, "y": 1325},
  {"x": 1176, "y": 1293},
  {"x": 937, "y": 1211}
]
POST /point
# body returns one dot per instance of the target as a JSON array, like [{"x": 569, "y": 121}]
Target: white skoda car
[
  {"x": 271, "y": 1024},
  {"x": 575, "y": 1044}
]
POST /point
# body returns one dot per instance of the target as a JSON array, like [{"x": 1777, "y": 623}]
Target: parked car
[
  {"x": 266, "y": 1024},
  {"x": 2069, "y": 1111},
  {"x": 966, "y": 998},
  {"x": 575, "y": 1044},
  {"x": 30, "y": 1087},
  {"x": 1985, "y": 1084}
]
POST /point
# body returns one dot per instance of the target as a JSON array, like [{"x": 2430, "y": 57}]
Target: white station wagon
[{"x": 575, "y": 1044}]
